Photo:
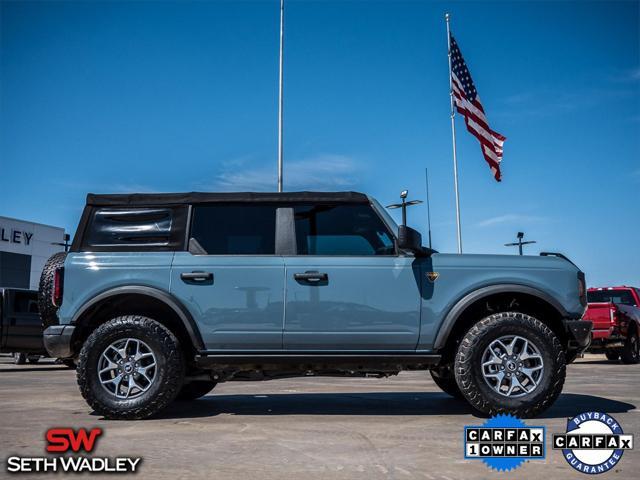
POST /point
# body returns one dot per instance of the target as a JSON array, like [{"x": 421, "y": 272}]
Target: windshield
[{"x": 623, "y": 297}]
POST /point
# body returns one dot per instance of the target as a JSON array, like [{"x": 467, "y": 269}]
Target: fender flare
[
  {"x": 169, "y": 300},
  {"x": 461, "y": 305}
]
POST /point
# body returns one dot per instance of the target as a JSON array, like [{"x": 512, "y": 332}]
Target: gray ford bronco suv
[{"x": 162, "y": 296}]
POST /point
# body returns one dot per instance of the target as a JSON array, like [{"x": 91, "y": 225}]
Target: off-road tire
[
  {"x": 446, "y": 382},
  {"x": 19, "y": 358},
  {"x": 612, "y": 355},
  {"x": 168, "y": 377},
  {"x": 630, "y": 352},
  {"x": 468, "y": 367},
  {"x": 195, "y": 390},
  {"x": 48, "y": 311}
]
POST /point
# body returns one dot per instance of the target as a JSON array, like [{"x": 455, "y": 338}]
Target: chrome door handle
[{"x": 196, "y": 276}]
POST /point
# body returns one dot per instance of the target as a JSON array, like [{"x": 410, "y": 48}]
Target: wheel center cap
[
  {"x": 511, "y": 366},
  {"x": 128, "y": 368}
]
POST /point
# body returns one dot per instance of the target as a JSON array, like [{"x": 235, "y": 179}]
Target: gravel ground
[{"x": 399, "y": 428}]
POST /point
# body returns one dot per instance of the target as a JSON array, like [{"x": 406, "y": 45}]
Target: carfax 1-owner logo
[
  {"x": 69, "y": 445},
  {"x": 593, "y": 443},
  {"x": 504, "y": 442}
]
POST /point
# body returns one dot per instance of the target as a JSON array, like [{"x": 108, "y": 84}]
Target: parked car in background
[
  {"x": 21, "y": 327},
  {"x": 20, "y": 358},
  {"x": 163, "y": 296},
  {"x": 615, "y": 313}
]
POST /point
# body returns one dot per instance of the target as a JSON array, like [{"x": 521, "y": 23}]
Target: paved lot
[{"x": 398, "y": 428}]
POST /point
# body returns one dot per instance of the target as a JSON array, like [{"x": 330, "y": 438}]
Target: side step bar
[{"x": 205, "y": 359}]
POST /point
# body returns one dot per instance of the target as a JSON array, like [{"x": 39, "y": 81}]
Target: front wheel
[
  {"x": 130, "y": 368},
  {"x": 631, "y": 351},
  {"x": 510, "y": 362}
]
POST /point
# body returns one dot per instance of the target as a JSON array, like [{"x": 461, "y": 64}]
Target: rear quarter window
[{"x": 140, "y": 228}]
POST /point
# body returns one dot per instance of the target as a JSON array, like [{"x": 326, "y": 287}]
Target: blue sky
[{"x": 124, "y": 97}]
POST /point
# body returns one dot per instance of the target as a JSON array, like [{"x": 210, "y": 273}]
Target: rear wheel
[
  {"x": 130, "y": 368},
  {"x": 612, "y": 355},
  {"x": 195, "y": 390},
  {"x": 631, "y": 352},
  {"x": 510, "y": 363},
  {"x": 447, "y": 382}
]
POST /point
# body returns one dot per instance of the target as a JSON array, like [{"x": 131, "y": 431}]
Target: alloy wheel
[
  {"x": 127, "y": 368},
  {"x": 512, "y": 366}
]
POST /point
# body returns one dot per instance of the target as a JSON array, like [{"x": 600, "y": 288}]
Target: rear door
[
  {"x": 347, "y": 289},
  {"x": 231, "y": 280}
]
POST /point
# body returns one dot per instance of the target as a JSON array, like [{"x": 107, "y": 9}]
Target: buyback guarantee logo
[
  {"x": 594, "y": 442},
  {"x": 504, "y": 442},
  {"x": 71, "y": 443}
]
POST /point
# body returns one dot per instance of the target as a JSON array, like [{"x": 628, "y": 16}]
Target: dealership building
[{"x": 24, "y": 249}]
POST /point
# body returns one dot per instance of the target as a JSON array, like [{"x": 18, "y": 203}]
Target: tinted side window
[
  {"x": 341, "y": 230},
  {"x": 235, "y": 229},
  {"x": 159, "y": 228}
]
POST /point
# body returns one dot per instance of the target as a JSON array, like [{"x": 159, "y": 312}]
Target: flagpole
[
  {"x": 453, "y": 138},
  {"x": 280, "y": 99}
]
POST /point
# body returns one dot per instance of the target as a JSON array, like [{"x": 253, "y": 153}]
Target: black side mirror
[{"x": 409, "y": 239}]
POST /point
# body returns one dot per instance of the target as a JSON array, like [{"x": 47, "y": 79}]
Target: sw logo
[
  {"x": 504, "y": 442},
  {"x": 68, "y": 440},
  {"x": 65, "y": 439},
  {"x": 432, "y": 276},
  {"x": 593, "y": 443}
]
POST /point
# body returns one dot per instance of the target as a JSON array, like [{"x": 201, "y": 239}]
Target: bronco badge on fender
[{"x": 432, "y": 276}]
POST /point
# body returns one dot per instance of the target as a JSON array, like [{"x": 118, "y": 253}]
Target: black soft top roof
[{"x": 149, "y": 199}]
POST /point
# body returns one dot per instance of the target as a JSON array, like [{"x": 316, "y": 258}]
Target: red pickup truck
[{"x": 615, "y": 313}]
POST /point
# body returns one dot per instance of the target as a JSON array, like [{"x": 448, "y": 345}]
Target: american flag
[{"x": 468, "y": 104}]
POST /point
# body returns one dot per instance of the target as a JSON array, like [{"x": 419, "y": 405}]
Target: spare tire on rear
[{"x": 48, "y": 311}]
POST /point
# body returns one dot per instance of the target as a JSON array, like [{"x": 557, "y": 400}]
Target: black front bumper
[
  {"x": 579, "y": 333},
  {"x": 57, "y": 340}
]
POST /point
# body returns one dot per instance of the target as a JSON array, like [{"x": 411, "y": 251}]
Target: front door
[
  {"x": 346, "y": 289},
  {"x": 232, "y": 282}
]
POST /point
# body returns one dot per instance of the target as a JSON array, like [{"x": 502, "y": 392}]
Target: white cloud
[
  {"x": 629, "y": 75},
  {"x": 509, "y": 218},
  {"x": 552, "y": 102},
  {"x": 320, "y": 172}
]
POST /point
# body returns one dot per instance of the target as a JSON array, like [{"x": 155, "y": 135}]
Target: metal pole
[
  {"x": 404, "y": 212},
  {"x": 520, "y": 246},
  {"x": 280, "y": 99},
  {"x": 426, "y": 174},
  {"x": 453, "y": 138}
]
